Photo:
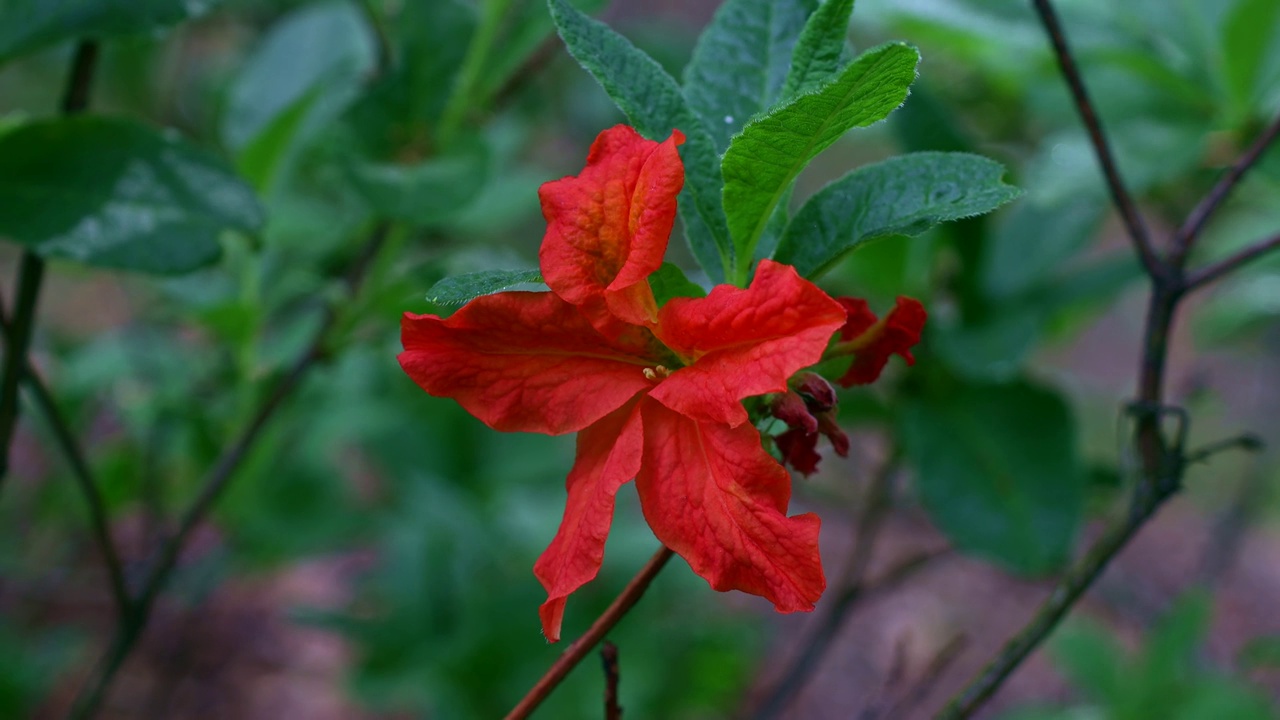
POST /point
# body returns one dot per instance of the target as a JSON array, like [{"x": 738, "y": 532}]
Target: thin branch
[
  {"x": 851, "y": 587},
  {"x": 1119, "y": 195},
  {"x": 1069, "y": 589},
  {"x": 31, "y": 271},
  {"x": 1186, "y": 235},
  {"x": 1210, "y": 273},
  {"x": 214, "y": 484},
  {"x": 583, "y": 645},
  {"x": 609, "y": 658},
  {"x": 923, "y": 685},
  {"x": 80, "y": 470}
]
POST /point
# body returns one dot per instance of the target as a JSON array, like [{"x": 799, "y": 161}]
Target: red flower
[
  {"x": 872, "y": 342},
  {"x": 654, "y": 394},
  {"x": 808, "y": 410}
]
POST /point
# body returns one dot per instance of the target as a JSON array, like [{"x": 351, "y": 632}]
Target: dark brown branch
[
  {"x": 609, "y": 658},
  {"x": 214, "y": 484},
  {"x": 31, "y": 271},
  {"x": 582, "y": 646},
  {"x": 1210, "y": 273},
  {"x": 1093, "y": 124},
  {"x": 1186, "y": 235}
]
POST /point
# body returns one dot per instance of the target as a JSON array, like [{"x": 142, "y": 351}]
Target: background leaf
[
  {"x": 741, "y": 62},
  {"x": 654, "y": 104},
  {"x": 905, "y": 195},
  {"x": 112, "y": 193},
  {"x": 27, "y": 25},
  {"x": 997, "y": 468},
  {"x": 428, "y": 192},
  {"x": 460, "y": 289},
  {"x": 762, "y": 162}
]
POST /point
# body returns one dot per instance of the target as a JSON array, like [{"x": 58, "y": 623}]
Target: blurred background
[{"x": 373, "y": 556}]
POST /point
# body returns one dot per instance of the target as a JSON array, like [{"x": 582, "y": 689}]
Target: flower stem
[{"x": 582, "y": 646}]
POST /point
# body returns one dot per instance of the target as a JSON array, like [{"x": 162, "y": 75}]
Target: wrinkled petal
[
  {"x": 608, "y": 456},
  {"x": 713, "y": 495},
  {"x": 524, "y": 361},
  {"x": 608, "y": 227},
  {"x": 744, "y": 342},
  {"x": 873, "y": 344},
  {"x": 799, "y": 450}
]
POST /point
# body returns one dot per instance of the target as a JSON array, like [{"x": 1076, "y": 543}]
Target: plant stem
[
  {"x": 492, "y": 15},
  {"x": 1199, "y": 217},
  {"x": 214, "y": 484},
  {"x": 582, "y": 646},
  {"x": 1210, "y": 273},
  {"x": 31, "y": 271},
  {"x": 1119, "y": 195}
]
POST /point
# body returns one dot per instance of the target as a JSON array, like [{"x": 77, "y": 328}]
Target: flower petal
[
  {"x": 608, "y": 227},
  {"x": 608, "y": 456},
  {"x": 875, "y": 342},
  {"x": 524, "y": 361},
  {"x": 744, "y": 342},
  {"x": 799, "y": 450},
  {"x": 713, "y": 495}
]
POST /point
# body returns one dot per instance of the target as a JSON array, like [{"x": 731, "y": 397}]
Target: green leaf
[
  {"x": 998, "y": 469},
  {"x": 1247, "y": 36},
  {"x": 1260, "y": 652},
  {"x": 461, "y": 289},
  {"x": 741, "y": 61},
  {"x": 325, "y": 49},
  {"x": 427, "y": 193},
  {"x": 112, "y": 193},
  {"x": 670, "y": 282},
  {"x": 262, "y": 160},
  {"x": 905, "y": 195},
  {"x": 763, "y": 161},
  {"x": 653, "y": 103},
  {"x": 27, "y": 25},
  {"x": 1035, "y": 239},
  {"x": 821, "y": 48},
  {"x": 524, "y": 33},
  {"x": 1092, "y": 660}
]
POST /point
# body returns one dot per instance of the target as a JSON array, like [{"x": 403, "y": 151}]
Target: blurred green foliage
[{"x": 253, "y": 146}]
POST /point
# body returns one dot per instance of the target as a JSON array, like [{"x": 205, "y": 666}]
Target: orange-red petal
[
  {"x": 608, "y": 227},
  {"x": 744, "y": 342},
  {"x": 874, "y": 341},
  {"x": 713, "y": 495},
  {"x": 608, "y": 456},
  {"x": 526, "y": 362}
]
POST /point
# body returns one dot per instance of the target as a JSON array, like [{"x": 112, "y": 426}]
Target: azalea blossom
[{"x": 654, "y": 393}]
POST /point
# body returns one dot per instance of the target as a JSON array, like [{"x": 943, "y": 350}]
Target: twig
[
  {"x": 1210, "y": 273},
  {"x": 609, "y": 658},
  {"x": 1186, "y": 235},
  {"x": 79, "y": 470},
  {"x": 1124, "y": 203},
  {"x": 583, "y": 645},
  {"x": 31, "y": 270},
  {"x": 1249, "y": 442},
  {"x": 851, "y": 587},
  {"x": 928, "y": 678},
  {"x": 211, "y": 489}
]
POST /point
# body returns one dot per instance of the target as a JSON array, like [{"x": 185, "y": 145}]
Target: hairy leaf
[
  {"x": 653, "y": 103},
  {"x": 821, "y": 47},
  {"x": 112, "y": 193},
  {"x": 905, "y": 195},
  {"x": 741, "y": 62},
  {"x": 765, "y": 159}
]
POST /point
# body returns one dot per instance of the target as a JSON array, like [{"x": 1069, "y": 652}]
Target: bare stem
[
  {"x": 1210, "y": 273},
  {"x": 31, "y": 271},
  {"x": 582, "y": 646},
  {"x": 214, "y": 484},
  {"x": 1119, "y": 195},
  {"x": 609, "y": 658},
  {"x": 1186, "y": 235}
]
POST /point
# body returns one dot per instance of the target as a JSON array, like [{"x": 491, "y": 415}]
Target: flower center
[{"x": 658, "y": 371}]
